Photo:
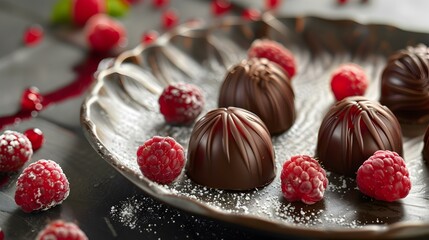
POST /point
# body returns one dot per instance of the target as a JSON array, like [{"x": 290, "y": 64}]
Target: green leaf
[
  {"x": 116, "y": 8},
  {"x": 61, "y": 12}
]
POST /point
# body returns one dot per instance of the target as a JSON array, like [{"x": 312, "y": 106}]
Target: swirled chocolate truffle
[
  {"x": 405, "y": 84},
  {"x": 263, "y": 88},
  {"x": 352, "y": 130},
  {"x": 230, "y": 148}
]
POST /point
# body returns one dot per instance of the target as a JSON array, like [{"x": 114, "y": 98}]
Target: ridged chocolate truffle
[
  {"x": 230, "y": 148},
  {"x": 352, "y": 130},
  {"x": 263, "y": 88},
  {"x": 405, "y": 84}
]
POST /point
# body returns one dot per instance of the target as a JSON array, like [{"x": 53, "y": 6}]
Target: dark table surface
[{"x": 103, "y": 203}]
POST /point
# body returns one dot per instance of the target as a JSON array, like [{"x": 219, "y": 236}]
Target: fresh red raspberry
[
  {"x": 220, "y": 7},
  {"x": 41, "y": 185},
  {"x": 31, "y": 99},
  {"x": 83, "y": 10},
  {"x": 169, "y": 18},
  {"x": 348, "y": 80},
  {"x": 303, "y": 179},
  {"x": 33, "y": 35},
  {"x": 149, "y": 36},
  {"x": 1, "y": 235},
  {"x": 275, "y": 52},
  {"x": 60, "y": 230},
  {"x": 181, "y": 103},
  {"x": 272, "y": 4},
  {"x": 161, "y": 159},
  {"x": 160, "y": 3},
  {"x": 15, "y": 151},
  {"x": 36, "y": 138},
  {"x": 384, "y": 176},
  {"x": 103, "y": 33},
  {"x": 251, "y": 14}
]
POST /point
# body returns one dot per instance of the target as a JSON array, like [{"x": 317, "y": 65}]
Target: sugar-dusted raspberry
[
  {"x": 15, "y": 151},
  {"x": 41, "y": 185},
  {"x": 60, "y": 230},
  {"x": 384, "y": 176},
  {"x": 33, "y": 35},
  {"x": 103, "y": 33},
  {"x": 275, "y": 52},
  {"x": 181, "y": 103},
  {"x": 303, "y": 179},
  {"x": 83, "y": 10},
  {"x": 348, "y": 80},
  {"x": 36, "y": 137},
  {"x": 161, "y": 159}
]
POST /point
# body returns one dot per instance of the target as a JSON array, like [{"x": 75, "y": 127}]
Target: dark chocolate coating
[
  {"x": 352, "y": 130},
  {"x": 230, "y": 149},
  {"x": 263, "y": 88},
  {"x": 405, "y": 84}
]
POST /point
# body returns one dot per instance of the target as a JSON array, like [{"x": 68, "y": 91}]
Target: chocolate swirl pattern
[
  {"x": 405, "y": 84},
  {"x": 352, "y": 130},
  {"x": 261, "y": 87},
  {"x": 230, "y": 148}
]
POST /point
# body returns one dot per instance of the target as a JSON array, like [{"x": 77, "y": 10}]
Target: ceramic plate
[{"x": 121, "y": 112}]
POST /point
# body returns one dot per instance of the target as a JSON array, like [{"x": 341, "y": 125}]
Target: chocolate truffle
[
  {"x": 405, "y": 84},
  {"x": 263, "y": 88},
  {"x": 352, "y": 130},
  {"x": 230, "y": 148}
]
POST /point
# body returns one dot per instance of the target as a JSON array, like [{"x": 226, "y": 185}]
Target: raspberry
[
  {"x": 384, "y": 176},
  {"x": 160, "y": 3},
  {"x": 104, "y": 33},
  {"x": 36, "y": 137},
  {"x": 41, "y": 185},
  {"x": 169, "y": 18},
  {"x": 31, "y": 100},
  {"x": 303, "y": 179},
  {"x": 1, "y": 235},
  {"x": 251, "y": 14},
  {"x": 220, "y": 7},
  {"x": 33, "y": 35},
  {"x": 274, "y": 52},
  {"x": 348, "y": 80},
  {"x": 83, "y": 10},
  {"x": 181, "y": 103},
  {"x": 61, "y": 230},
  {"x": 161, "y": 159},
  {"x": 149, "y": 36},
  {"x": 272, "y": 4},
  {"x": 15, "y": 151}
]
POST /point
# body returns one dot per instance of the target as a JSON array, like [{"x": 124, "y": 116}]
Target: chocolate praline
[
  {"x": 263, "y": 88},
  {"x": 230, "y": 148},
  {"x": 405, "y": 84},
  {"x": 352, "y": 130}
]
